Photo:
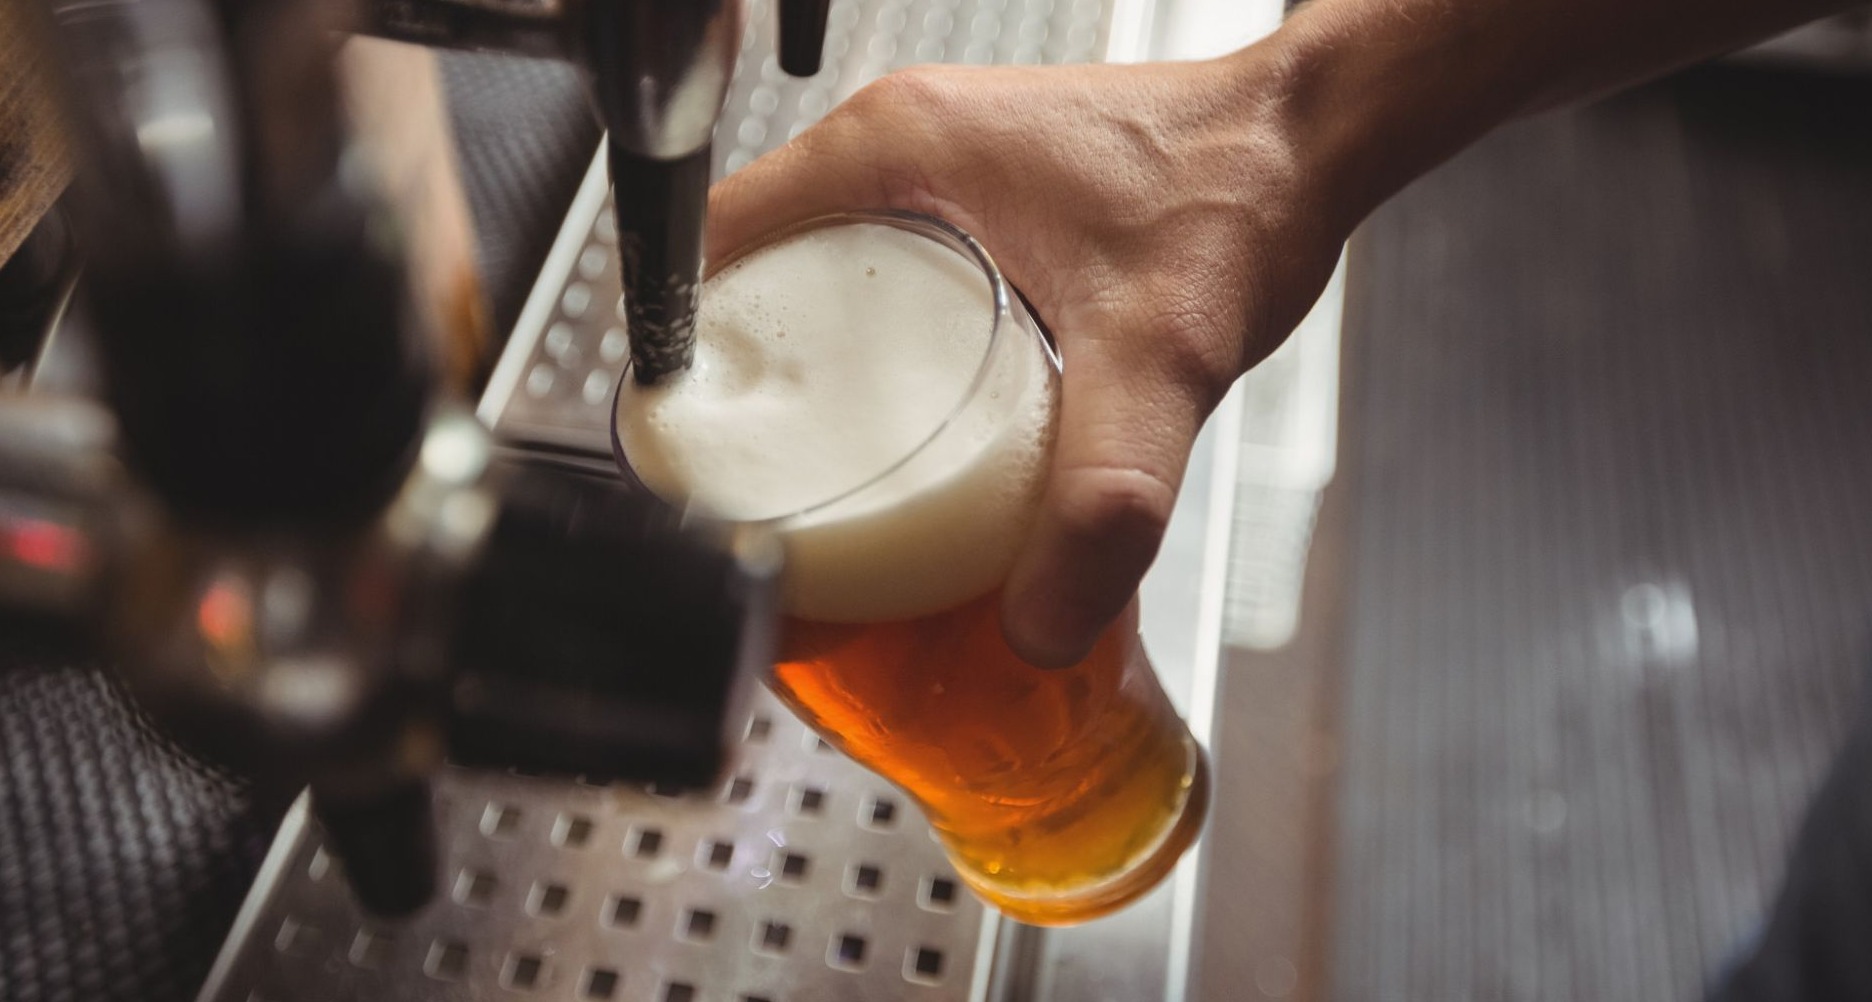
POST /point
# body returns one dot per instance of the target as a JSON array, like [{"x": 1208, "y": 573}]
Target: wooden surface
[{"x": 33, "y": 164}]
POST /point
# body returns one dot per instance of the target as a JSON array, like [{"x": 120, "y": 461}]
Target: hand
[{"x": 1159, "y": 221}]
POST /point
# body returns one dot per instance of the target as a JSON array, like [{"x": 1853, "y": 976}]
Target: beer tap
[
  {"x": 660, "y": 121},
  {"x": 308, "y": 563},
  {"x": 658, "y": 72}
]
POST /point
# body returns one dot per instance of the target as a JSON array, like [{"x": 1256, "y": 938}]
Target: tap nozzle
[{"x": 661, "y": 205}]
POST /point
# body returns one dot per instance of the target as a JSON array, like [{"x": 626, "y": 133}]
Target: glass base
[{"x": 1107, "y": 894}]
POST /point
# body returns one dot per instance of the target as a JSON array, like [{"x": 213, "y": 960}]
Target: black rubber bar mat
[
  {"x": 1609, "y": 435},
  {"x": 527, "y": 135},
  {"x": 122, "y": 860}
]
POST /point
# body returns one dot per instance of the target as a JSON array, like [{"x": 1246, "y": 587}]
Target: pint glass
[{"x": 1059, "y": 795}]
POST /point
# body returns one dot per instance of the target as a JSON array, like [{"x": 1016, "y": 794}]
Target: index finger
[{"x": 819, "y": 172}]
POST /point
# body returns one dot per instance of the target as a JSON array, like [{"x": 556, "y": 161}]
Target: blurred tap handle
[
  {"x": 302, "y": 549},
  {"x": 394, "y": 96}
]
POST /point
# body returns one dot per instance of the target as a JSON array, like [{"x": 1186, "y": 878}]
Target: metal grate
[
  {"x": 799, "y": 876},
  {"x": 553, "y": 385}
]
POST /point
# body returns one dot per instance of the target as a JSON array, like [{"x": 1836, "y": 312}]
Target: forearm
[{"x": 1375, "y": 92}]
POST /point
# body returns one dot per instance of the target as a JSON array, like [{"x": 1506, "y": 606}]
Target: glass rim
[{"x": 955, "y": 238}]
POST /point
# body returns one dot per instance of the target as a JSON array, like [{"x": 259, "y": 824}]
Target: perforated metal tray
[{"x": 800, "y": 876}]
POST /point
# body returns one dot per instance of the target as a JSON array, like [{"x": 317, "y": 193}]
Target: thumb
[{"x": 1126, "y": 425}]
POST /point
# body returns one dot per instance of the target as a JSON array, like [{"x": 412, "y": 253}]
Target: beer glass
[{"x": 1059, "y": 795}]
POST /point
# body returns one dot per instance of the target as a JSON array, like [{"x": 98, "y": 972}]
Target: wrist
[{"x": 1366, "y": 105}]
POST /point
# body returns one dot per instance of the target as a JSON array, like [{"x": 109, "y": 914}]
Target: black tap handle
[
  {"x": 604, "y": 632},
  {"x": 802, "y": 35},
  {"x": 387, "y": 843}
]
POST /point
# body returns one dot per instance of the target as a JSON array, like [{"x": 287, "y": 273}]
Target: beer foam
[{"x": 826, "y": 360}]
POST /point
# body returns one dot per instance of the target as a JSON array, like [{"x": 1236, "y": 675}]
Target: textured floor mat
[
  {"x": 122, "y": 860},
  {"x": 1611, "y": 445},
  {"x": 527, "y": 136}
]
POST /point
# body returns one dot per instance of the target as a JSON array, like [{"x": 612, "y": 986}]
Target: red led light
[
  {"x": 47, "y": 546},
  {"x": 224, "y": 616}
]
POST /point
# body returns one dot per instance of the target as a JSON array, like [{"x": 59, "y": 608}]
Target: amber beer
[{"x": 866, "y": 385}]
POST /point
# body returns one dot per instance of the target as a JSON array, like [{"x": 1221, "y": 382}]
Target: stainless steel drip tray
[{"x": 801, "y": 876}]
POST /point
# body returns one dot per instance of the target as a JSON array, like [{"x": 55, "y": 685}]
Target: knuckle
[
  {"x": 828, "y": 137},
  {"x": 916, "y": 85},
  {"x": 923, "y": 98},
  {"x": 920, "y": 109},
  {"x": 1126, "y": 508}
]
